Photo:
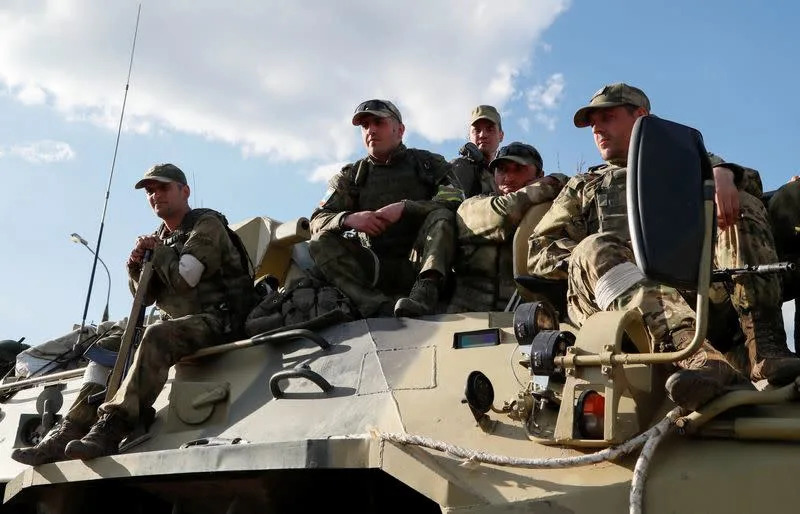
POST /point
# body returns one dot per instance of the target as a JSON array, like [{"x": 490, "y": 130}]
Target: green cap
[
  {"x": 612, "y": 95},
  {"x": 519, "y": 153},
  {"x": 162, "y": 173},
  {"x": 485, "y": 112},
  {"x": 380, "y": 108}
]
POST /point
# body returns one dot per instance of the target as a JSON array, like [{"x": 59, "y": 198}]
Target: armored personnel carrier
[{"x": 495, "y": 412}]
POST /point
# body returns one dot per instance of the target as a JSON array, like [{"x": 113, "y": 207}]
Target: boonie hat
[
  {"x": 612, "y": 95},
  {"x": 162, "y": 173},
  {"x": 380, "y": 108},
  {"x": 519, "y": 153},
  {"x": 485, "y": 112}
]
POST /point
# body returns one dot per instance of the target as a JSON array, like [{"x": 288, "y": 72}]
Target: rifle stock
[{"x": 133, "y": 331}]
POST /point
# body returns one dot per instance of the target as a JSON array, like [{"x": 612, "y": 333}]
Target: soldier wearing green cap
[
  {"x": 398, "y": 203},
  {"x": 203, "y": 288},
  {"x": 486, "y": 225},
  {"x": 471, "y": 168},
  {"x": 584, "y": 239}
]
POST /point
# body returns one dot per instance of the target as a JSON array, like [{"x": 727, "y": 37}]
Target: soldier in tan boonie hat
[
  {"x": 612, "y": 95},
  {"x": 162, "y": 173}
]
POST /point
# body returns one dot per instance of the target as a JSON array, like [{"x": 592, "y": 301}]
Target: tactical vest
[
  {"x": 229, "y": 291},
  {"x": 610, "y": 213},
  {"x": 410, "y": 176}
]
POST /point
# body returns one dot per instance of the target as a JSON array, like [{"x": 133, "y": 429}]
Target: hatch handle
[{"x": 300, "y": 371}]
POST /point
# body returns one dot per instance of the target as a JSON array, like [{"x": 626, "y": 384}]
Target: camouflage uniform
[
  {"x": 423, "y": 239},
  {"x": 486, "y": 226},
  {"x": 559, "y": 240},
  {"x": 209, "y": 313},
  {"x": 574, "y": 241}
]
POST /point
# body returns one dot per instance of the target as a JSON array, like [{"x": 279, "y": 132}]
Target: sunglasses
[{"x": 377, "y": 105}]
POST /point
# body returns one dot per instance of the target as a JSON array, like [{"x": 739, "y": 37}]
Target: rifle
[
  {"x": 727, "y": 274},
  {"x": 133, "y": 331}
]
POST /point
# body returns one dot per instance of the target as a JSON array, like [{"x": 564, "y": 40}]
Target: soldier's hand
[
  {"x": 794, "y": 178},
  {"x": 143, "y": 243},
  {"x": 391, "y": 213},
  {"x": 726, "y": 196},
  {"x": 366, "y": 221},
  {"x": 548, "y": 180}
]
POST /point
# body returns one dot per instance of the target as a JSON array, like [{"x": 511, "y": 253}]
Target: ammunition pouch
[{"x": 309, "y": 303}]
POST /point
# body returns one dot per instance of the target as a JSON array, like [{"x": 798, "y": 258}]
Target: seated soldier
[
  {"x": 471, "y": 168},
  {"x": 584, "y": 238},
  {"x": 401, "y": 204},
  {"x": 202, "y": 285},
  {"x": 486, "y": 225}
]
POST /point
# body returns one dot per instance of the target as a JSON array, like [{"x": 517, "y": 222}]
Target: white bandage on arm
[
  {"x": 95, "y": 374},
  {"x": 190, "y": 269},
  {"x": 616, "y": 281}
]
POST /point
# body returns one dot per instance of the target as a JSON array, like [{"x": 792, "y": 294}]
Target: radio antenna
[{"x": 110, "y": 177}]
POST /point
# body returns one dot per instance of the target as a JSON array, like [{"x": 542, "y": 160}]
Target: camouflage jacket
[
  {"x": 420, "y": 179},
  {"x": 569, "y": 220},
  {"x": 225, "y": 287},
  {"x": 486, "y": 226}
]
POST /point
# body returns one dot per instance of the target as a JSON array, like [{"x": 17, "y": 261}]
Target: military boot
[
  {"x": 769, "y": 356},
  {"x": 702, "y": 377},
  {"x": 421, "y": 301},
  {"x": 51, "y": 447},
  {"x": 103, "y": 439}
]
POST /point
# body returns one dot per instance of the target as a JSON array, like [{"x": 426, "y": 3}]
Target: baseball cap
[
  {"x": 380, "y": 108},
  {"x": 485, "y": 112},
  {"x": 612, "y": 95},
  {"x": 519, "y": 153},
  {"x": 162, "y": 173}
]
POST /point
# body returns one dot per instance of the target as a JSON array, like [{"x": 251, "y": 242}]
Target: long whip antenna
[{"x": 110, "y": 177}]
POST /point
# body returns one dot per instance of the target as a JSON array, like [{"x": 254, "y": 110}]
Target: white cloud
[
  {"x": 274, "y": 78},
  {"x": 546, "y": 120},
  {"x": 525, "y": 124},
  {"x": 546, "y": 97},
  {"x": 323, "y": 173},
  {"x": 41, "y": 152},
  {"x": 31, "y": 95}
]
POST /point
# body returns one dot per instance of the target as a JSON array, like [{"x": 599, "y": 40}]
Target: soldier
[
  {"x": 486, "y": 226},
  {"x": 584, "y": 238},
  {"x": 400, "y": 206},
  {"x": 202, "y": 285},
  {"x": 472, "y": 167}
]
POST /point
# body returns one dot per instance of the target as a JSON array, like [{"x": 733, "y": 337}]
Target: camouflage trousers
[
  {"x": 163, "y": 344},
  {"x": 749, "y": 241},
  {"x": 81, "y": 412},
  {"x": 663, "y": 309},
  {"x": 352, "y": 268}
]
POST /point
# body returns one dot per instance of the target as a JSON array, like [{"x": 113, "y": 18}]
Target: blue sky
[{"x": 253, "y": 103}]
